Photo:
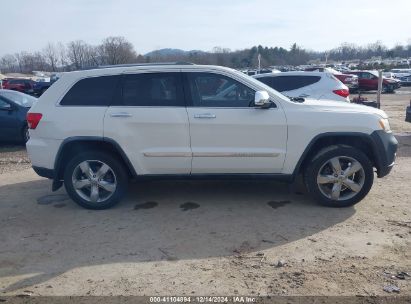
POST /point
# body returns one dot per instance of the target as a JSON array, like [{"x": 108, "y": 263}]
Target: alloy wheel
[
  {"x": 94, "y": 181},
  {"x": 341, "y": 178}
]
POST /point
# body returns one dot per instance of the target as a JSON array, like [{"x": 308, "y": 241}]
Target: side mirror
[
  {"x": 6, "y": 107},
  {"x": 262, "y": 99}
]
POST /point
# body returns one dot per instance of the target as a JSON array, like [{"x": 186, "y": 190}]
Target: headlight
[{"x": 385, "y": 125}]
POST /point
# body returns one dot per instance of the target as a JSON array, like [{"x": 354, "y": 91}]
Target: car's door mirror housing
[
  {"x": 262, "y": 99},
  {"x": 6, "y": 107}
]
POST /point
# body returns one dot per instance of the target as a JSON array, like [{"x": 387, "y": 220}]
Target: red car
[
  {"x": 368, "y": 81},
  {"x": 21, "y": 85},
  {"x": 350, "y": 80}
]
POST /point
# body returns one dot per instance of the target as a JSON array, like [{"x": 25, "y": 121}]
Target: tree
[
  {"x": 8, "y": 63},
  {"x": 82, "y": 55},
  {"x": 117, "y": 50},
  {"x": 51, "y": 54}
]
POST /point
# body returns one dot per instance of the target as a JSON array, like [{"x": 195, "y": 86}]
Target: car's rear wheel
[
  {"x": 339, "y": 176},
  {"x": 95, "y": 180},
  {"x": 25, "y": 134}
]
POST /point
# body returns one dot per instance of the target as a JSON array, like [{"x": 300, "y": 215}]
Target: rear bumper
[
  {"x": 44, "y": 172},
  {"x": 385, "y": 148}
]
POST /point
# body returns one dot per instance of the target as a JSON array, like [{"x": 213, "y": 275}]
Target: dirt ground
[{"x": 206, "y": 237}]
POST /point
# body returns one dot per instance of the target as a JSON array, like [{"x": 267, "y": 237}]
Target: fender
[
  {"x": 383, "y": 146},
  {"x": 57, "y": 181}
]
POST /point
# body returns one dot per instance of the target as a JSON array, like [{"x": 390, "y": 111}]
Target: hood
[
  {"x": 339, "y": 106},
  {"x": 391, "y": 80}
]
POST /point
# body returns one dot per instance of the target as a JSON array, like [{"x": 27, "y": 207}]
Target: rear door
[
  {"x": 149, "y": 121},
  {"x": 228, "y": 134}
]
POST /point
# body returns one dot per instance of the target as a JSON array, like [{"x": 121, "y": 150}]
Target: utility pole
[
  {"x": 379, "y": 89},
  {"x": 259, "y": 63}
]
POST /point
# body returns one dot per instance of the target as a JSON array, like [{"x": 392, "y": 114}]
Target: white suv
[
  {"x": 96, "y": 129},
  {"x": 313, "y": 85}
]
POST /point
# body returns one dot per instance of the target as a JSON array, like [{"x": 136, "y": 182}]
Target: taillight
[
  {"x": 33, "y": 119},
  {"x": 343, "y": 93}
]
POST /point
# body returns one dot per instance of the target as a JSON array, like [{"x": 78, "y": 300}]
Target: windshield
[
  {"x": 375, "y": 73},
  {"x": 21, "y": 99}
]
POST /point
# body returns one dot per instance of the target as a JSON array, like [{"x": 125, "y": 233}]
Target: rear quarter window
[
  {"x": 95, "y": 91},
  {"x": 289, "y": 83},
  {"x": 266, "y": 80}
]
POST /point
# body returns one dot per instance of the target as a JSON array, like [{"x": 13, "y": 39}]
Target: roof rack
[{"x": 143, "y": 64}]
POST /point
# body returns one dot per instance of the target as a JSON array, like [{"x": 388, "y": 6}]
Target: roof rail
[{"x": 141, "y": 64}]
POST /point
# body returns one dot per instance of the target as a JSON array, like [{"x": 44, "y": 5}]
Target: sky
[{"x": 203, "y": 24}]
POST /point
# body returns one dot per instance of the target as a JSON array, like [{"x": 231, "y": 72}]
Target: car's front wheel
[
  {"x": 339, "y": 176},
  {"x": 95, "y": 180}
]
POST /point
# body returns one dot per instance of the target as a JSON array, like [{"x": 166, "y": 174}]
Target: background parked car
[
  {"x": 313, "y": 85},
  {"x": 403, "y": 76},
  {"x": 21, "y": 85},
  {"x": 401, "y": 72},
  {"x": 39, "y": 87},
  {"x": 13, "y": 110},
  {"x": 350, "y": 80},
  {"x": 4, "y": 82},
  {"x": 368, "y": 81},
  {"x": 389, "y": 75}
]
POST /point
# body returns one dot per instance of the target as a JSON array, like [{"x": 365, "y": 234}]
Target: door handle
[
  {"x": 121, "y": 114},
  {"x": 205, "y": 115}
]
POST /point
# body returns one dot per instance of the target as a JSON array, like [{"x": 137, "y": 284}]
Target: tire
[
  {"x": 323, "y": 181},
  {"x": 25, "y": 135},
  {"x": 387, "y": 89},
  {"x": 96, "y": 189}
]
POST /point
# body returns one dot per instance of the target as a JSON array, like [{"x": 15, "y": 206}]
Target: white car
[
  {"x": 313, "y": 85},
  {"x": 95, "y": 130},
  {"x": 400, "y": 72}
]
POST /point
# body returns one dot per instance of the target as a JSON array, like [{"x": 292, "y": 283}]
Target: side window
[
  {"x": 288, "y": 83},
  {"x": 266, "y": 80},
  {"x": 95, "y": 91},
  {"x": 213, "y": 90},
  {"x": 153, "y": 89}
]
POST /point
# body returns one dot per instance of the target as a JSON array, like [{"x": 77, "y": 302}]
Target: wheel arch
[
  {"x": 361, "y": 141},
  {"x": 72, "y": 145}
]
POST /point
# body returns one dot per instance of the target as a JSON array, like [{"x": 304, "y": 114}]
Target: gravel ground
[
  {"x": 206, "y": 237},
  {"x": 13, "y": 158}
]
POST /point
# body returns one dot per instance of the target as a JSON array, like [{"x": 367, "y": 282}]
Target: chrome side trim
[
  {"x": 235, "y": 154},
  {"x": 210, "y": 154},
  {"x": 167, "y": 154}
]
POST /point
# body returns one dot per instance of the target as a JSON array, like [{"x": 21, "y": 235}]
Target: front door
[
  {"x": 228, "y": 134},
  {"x": 9, "y": 124}
]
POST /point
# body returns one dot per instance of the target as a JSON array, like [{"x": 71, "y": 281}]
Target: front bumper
[{"x": 385, "y": 149}]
